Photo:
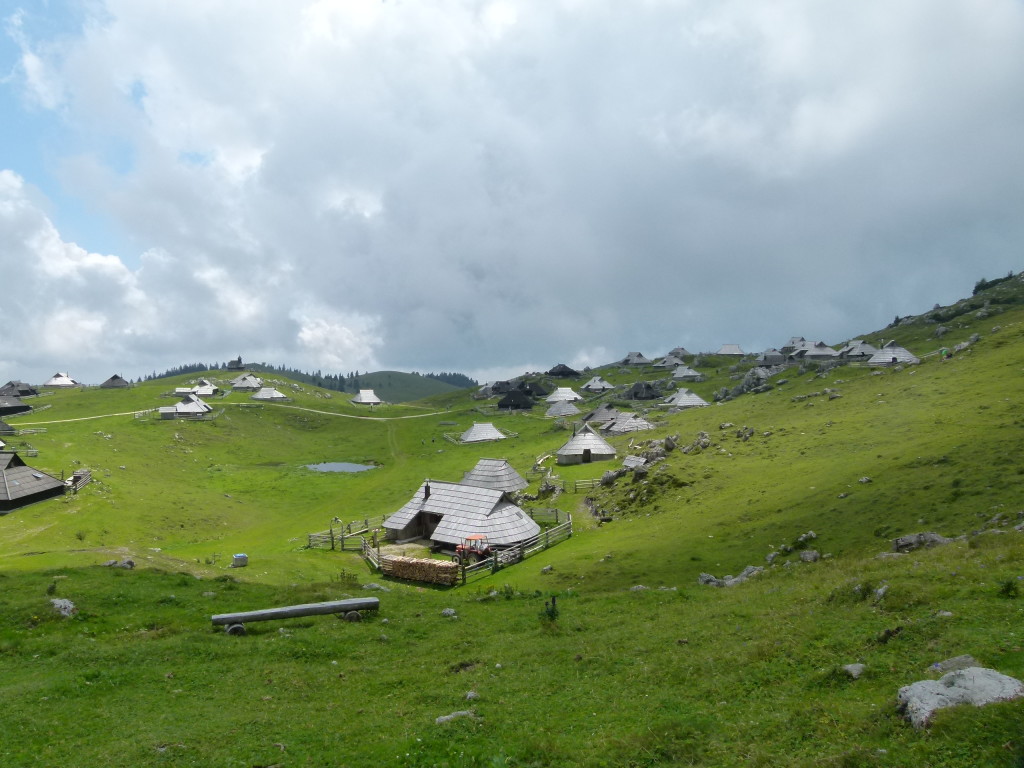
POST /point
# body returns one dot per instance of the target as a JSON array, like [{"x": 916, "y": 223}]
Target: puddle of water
[{"x": 339, "y": 466}]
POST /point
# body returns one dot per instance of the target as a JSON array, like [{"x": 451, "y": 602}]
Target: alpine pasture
[{"x": 635, "y": 664}]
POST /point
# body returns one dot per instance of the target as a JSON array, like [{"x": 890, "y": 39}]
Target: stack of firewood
[{"x": 420, "y": 569}]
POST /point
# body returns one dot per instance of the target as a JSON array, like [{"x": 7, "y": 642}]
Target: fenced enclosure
[
  {"x": 341, "y": 536},
  {"x": 416, "y": 569}
]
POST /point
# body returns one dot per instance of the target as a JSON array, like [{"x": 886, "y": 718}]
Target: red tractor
[{"x": 473, "y": 549}]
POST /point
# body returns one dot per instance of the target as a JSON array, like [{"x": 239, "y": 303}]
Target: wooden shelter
[
  {"x": 563, "y": 394},
  {"x": 269, "y": 395},
  {"x": 625, "y": 423},
  {"x": 732, "y": 350},
  {"x": 516, "y": 400},
  {"x": 21, "y": 484},
  {"x": 561, "y": 409},
  {"x": 857, "y": 351},
  {"x": 18, "y": 389},
  {"x": 584, "y": 447},
  {"x": 247, "y": 382},
  {"x": 366, "y": 397},
  {"x": 563, "y": 371},
  {"x": 115, "y": 382},
  {"x": 190, "y": 406},
  {"x": 684, "y": 398},
  {"x": 481, "y": 432},
  {"x": 634, "y": 358},
  {"x": 61, "y": 381},
  {"x": 893, "y": 354},
  {"x": 12, "y": 406},
  {"x": 686, "y": 373},
  {"x": 449, "y": 513},
  {"x": 597, "y": 384}
]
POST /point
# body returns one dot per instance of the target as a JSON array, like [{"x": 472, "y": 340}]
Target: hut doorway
[{"x": 586, "y": 456}]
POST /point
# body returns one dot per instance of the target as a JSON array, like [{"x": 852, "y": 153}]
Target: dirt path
[{"x": 274, "y": 405}]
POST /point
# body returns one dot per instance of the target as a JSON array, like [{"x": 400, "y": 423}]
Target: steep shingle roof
[
  {"x": 563, "y": 394},
  {"x": 481, "y": 433},
  {"x": 684, "y": 398},
  {"x": 466, "y": 510},
  {"x": 22, "y": 484},
  {"x": 586, "y": 439},
  {"x": 365, "y": 397},
  {"x": 562, "y": 408},
  {"x": 597, "y": 384},
  {"x": 495, "y": 473}
]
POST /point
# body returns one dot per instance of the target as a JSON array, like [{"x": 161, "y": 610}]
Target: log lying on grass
[{"x": 291, "y": 611}]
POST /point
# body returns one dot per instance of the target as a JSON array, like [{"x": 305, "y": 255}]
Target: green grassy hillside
[{"x": 641, "y": 666}]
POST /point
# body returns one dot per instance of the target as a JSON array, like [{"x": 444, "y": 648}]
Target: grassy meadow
[{"x": 638, "y": 666}]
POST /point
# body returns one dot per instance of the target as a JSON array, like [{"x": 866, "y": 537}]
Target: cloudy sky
[{"x": 492, "y": 186}]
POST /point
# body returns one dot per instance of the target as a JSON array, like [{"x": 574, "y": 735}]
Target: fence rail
[
  {"x": 34, "y": 431},
  {"x": 80, "y": 479},
  {"x": 340, "y": 535},
  {"x": 577, "y": 484}
]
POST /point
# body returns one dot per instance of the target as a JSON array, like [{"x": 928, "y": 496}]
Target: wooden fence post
[{"x": 332, "y": 536}]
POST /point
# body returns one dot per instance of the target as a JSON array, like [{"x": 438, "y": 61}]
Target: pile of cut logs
[{"x": 420, "y": 569}]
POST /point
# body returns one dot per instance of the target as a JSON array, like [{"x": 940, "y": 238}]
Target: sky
[{"x": 493, "y": 187}]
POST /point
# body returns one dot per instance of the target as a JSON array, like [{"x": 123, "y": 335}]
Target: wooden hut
[
  {"x": 448, "y": 513},
  {"x": 115, "y": 382},
  {"x": 366, "y": 397},
  {"x": 481, "y": 432},
  {"x": 584, "y": 447},
  {"x": 21, "y": 484}
]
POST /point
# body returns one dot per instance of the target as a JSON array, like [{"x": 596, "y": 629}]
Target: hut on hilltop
[
  {"x": 12, "y": 406},
  {"x": 115, "y": 382},
  {"x": 563, "y": 371},
  {"x": 893, "y": 354},
  {"x": 516, "y": 400},
  {"x": 269, "y": 395},
  {"x": 635, "y": 358},
  {"x": 731, "y": 350},
  {"x": 686, "y": 373},
  {"x": 18, "y": 389},
  {"x": 61, "y": 381}
]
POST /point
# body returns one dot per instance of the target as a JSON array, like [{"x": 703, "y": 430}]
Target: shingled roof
[
  {"x": 495, "y": 473},
  {"x": 481, "y": 432},
  {"x": 627, "y": 422},
  {"x": 561, "y": 408},
  {"x": 585, "y": 444},
  {"x": 597, "y": 384},
  {"x": 563, "y": 394},
  {"x": 464, "y": 510},
  {"x": 20, "y": 484},
  {"x": 893, "y": 354},
  {"x": 684, "y": 398},
  {"x": 366, "y": 397}
]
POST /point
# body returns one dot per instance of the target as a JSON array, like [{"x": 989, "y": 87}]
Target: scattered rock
[
  {"x": 974, "y": 685},
  {"x": 454, "y": 715},
  {"x": 854, "y": 670},
  {"x": 913, "y": 541},
  {"x": 63, "y": 606},
  {"x": 730, "y": 581},
  {"x": 770, "y": 557},
  {"x": 637, "y": 588},
  {"x": 955, "y": 663},
  {"x": 375, "y": 585},
  {"x": 944, "y": 614},
  {"x": 449, "y": 613},
  {"x": 810, "y": 556},
  {"x": 472, "y": 696},
  {"x": 547, "y": 569},
  {"x": 881, "y": 592},
  {"x": 864, "y": 480},
  {"x": 353, "y": 616},
  {"x": 888, "y": 634}
]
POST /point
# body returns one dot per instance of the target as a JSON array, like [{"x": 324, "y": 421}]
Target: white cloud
[{"x": 478, "y": 184}]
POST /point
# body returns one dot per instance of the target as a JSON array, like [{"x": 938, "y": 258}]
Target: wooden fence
[
  {"x": 34, "y": 431},
  {"x": 578, "y": 484},
  {"x": 80, "y": 479},
  {"x": 340, "y": 536},
  {"x": 506, "y": 557}
]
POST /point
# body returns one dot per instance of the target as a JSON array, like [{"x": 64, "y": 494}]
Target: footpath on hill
[{"x": 274, "y": 405}]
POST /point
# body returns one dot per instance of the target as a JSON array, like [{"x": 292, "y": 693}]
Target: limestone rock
[
  {"x": 974, "y": 685},
  {"x": 854, "y": 670},
  {"x": 913, "y": 541}
]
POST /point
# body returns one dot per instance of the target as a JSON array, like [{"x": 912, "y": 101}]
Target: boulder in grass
[{"x": 973, "y": 685}]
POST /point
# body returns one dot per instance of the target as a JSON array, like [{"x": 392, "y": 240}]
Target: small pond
[{"x": 339, "y": 466}]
